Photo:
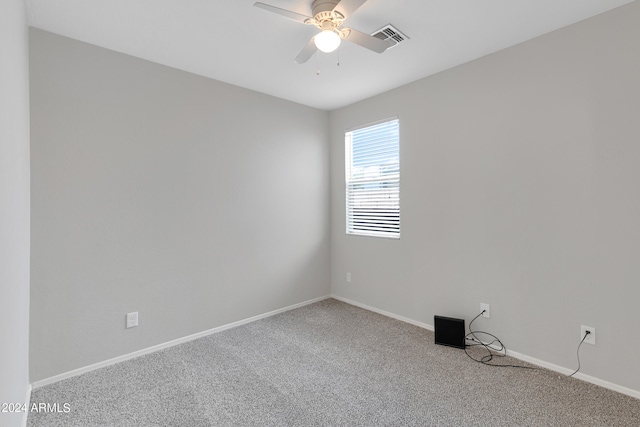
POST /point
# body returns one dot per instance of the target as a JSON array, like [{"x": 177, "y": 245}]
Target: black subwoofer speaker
[{"x": 449, "y": 331}]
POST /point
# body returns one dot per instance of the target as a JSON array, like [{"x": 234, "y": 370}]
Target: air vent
[{"x": 390, "y": 34}]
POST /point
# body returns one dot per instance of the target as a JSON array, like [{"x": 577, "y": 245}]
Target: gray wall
[
  {"x": 14, "y": 207},
  {"x": 519, "y": 188},
  {"x": 193, "y": 202}
]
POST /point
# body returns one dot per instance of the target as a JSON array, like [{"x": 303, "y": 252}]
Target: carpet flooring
[{"x": 326, "y": 364}]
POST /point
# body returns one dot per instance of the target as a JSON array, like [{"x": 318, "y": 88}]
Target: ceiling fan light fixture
[{"x": 327, "y": 41}]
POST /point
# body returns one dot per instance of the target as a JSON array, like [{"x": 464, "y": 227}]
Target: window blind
[{"x": 372, "y": 160}]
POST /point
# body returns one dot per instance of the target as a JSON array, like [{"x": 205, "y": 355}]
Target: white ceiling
[{"x": 234, "y": 42}]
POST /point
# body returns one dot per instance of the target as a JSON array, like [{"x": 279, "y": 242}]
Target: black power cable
[
  {"x": 586, "y": 334},
  {"x": 492, "y": 352}
]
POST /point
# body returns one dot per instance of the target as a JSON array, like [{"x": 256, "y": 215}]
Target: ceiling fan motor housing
[{"x": 322, "y": 10}]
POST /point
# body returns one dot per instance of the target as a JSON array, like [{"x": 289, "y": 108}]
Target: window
[{"x": 372, "y": 160}]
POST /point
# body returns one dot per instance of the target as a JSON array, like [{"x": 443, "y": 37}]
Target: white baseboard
[
  {"x": 579, "y": 375},
  {"x": 384, "y": 313},
  {"x": 93, "y": 367},
  {"x": 523, "y": 357},
  {"x": 27, "y": 400}
]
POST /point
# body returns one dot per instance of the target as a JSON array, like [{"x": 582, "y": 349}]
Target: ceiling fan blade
[
  {"x": 307, "y": 52},
  {"x": 347, "y": 7},
  {"x": 284, "y": 12},
  {"x": 367, "y": 41}
]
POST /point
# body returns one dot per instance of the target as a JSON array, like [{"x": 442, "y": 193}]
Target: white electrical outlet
[
  {"x": 591, "y": 338},
  {"x": 348, "y": 277},
  {"x": 487, "y": 312},
  {"x": 132, "y": 319}
]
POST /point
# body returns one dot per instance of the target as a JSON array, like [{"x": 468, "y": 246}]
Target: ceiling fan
[{"x": 328, "y": 16}]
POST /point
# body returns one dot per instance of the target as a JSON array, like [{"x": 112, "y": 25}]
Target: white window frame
[{"x": 373, "y": 212}]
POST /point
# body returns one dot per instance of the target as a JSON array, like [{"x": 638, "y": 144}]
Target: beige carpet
[{"x": 326, "y": 364}]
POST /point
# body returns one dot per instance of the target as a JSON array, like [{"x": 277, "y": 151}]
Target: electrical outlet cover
[
  {"x": 132, "y": 319},
  {"x": 591, "y": 338},
  {"x": 487, "y": 311}
]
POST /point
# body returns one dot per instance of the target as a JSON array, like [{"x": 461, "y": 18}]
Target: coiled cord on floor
[{"x": 497, "y": 351}]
